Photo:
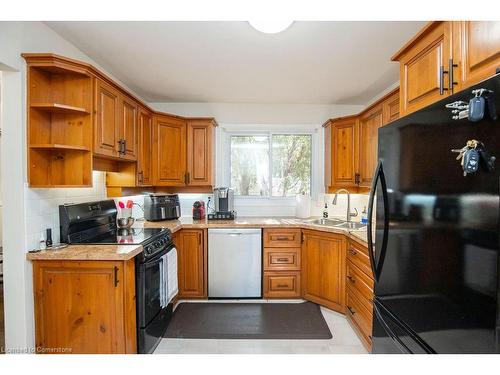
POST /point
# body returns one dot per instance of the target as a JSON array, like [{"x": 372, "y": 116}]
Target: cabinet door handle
[
  {"x": 351, "y": 279},
  {"x": 187, "y": 174},
  {"x": 442, "y": 72},
  {"x": 351, "y": 310},
  {"x": 185, "y": 179},
  {"x": 282, "y": 286},
  {"x": 282, "y": 238},
  {"x": 282, "y": 260},
  {"x": 141, "y": 177},
  {"x": 119, "y": 146},
  {"x": 352, "y": 251},
  {"x": 124, "y": 146},
  {"x": 116, "y": 281},
  {"x": 451, "y": 81}
]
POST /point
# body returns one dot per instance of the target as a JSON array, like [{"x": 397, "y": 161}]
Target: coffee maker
[{"x": 224, "y": 204}]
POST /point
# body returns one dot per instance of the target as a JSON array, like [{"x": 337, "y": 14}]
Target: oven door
[{"x": 148, "y": 290}]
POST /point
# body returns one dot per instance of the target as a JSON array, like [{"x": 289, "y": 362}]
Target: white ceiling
[{"x": 310, "y": 62}]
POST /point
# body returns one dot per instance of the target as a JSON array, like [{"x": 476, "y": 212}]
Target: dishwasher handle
[{"x": 234, "y": 232}]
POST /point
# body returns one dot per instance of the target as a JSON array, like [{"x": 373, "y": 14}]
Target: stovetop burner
[{"x": 131, "y": 236}]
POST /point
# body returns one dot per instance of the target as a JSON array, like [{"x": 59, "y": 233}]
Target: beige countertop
[{"x": 126, "y": 252}]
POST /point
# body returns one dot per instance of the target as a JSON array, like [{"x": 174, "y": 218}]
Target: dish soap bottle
[
  {"x": 364, "y": 216},
  {"x": 325, "y": 211}
]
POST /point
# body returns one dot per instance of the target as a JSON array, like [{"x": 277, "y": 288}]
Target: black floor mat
[{"x": 248, "y": 321}]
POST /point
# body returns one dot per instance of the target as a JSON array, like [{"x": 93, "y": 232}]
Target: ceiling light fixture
[{"x": 270, "y": 26}]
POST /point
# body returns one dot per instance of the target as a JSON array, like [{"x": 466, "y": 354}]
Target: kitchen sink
[
  {"x": 350, "y": 225},
  {"x": 336, "y": 223},
  {"x": 326, "y": 222}
]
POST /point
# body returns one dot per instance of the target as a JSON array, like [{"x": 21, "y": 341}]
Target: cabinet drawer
[
  {"x": 361, "y": 317},
  {"x": 360, "y": 283},
  {"x": 281, "y": 284},
  {"x": 282, "y": 259},
  {"x": 358, "y": 255},
  {"x": 277, "y": 237}
]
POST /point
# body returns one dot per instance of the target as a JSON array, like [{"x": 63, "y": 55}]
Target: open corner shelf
[
  {"x": 59, "y": 108},
  {"x": 56, "y": 146}
]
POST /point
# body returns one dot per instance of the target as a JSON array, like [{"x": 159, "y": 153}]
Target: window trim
[{"x": 225, "y": 157}]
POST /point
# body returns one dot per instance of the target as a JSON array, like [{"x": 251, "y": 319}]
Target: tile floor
[{"x": 344, "y": 341}]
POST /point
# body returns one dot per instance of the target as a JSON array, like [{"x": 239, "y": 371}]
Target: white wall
[{"x": 16, "y": 38}]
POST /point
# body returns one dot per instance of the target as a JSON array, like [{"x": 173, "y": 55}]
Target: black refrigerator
[{"x": 435, "y": 239}]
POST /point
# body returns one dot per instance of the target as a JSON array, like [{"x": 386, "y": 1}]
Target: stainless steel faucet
[{"x": 349, "y": 214}]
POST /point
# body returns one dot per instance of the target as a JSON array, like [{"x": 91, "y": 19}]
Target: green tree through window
[{"x": 277, "y": 165}]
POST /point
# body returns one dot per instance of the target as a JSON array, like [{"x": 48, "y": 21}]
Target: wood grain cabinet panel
[
  {"x": 323, "y": 269},
  {"x": 421, "y": 68},
  {"x": 480, "y": 50},
  {"x": 282, "y": 284},
  {"x": 127, "y": 129},
  {"x": 192, "y": 263},
  {"x": 282, "y": 237},
  {"x": 284, "y": 259},
  {"x": 391, "y": 107},
  {"x": 369, "y": 124},
  {"x": 169, "y": 151},
  {"x": 145, "y": 148},
  {"x": 360, "y": 317},
  {"x": 345, "y": 152},
  {"x": 359, "y": 291},
  {"x": 200, "y": 157},
  {"x": 107, "y": 119},
  {"x": 85, "y": 306}
]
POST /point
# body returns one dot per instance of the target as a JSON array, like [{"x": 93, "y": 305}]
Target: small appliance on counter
[
  {"x": 224, "y": 204},
  {"x": 199, "y": 210},
  {"x": 161, "y": 207}
]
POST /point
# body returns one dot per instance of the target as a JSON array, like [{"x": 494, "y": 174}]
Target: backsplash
[
  {"x": 258, "y": 207},
  {"x": 42, "y": 207}
]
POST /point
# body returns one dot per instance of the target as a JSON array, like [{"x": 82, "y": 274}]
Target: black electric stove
[
  {"x": 132, "y": 236},
  {"x": 95, "y": 223}
]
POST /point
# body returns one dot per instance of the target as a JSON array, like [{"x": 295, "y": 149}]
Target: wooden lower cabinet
[
  {"x": 192, "y": 262},
  {"x": 85, "y": 306},
  {"x": 282, "y": 284},
  {"x": 282, "y": 263},
  {"x": 359, "y": 292},
  {"x": 323, "y": 269}
]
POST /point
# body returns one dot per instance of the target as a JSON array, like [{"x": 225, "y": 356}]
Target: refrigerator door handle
[{"x": 377, "y": 267}]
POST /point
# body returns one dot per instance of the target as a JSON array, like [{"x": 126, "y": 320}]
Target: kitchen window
[{"x": 270, "y": 164}]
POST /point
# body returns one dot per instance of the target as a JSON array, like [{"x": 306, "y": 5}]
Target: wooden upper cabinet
[
  {"x": 200, "y": 155},
  {"x": 192, "y": 262},
  {"x": 169, "y": 151},
  {"x": 144, "y": 148},
  {"x": 423, "y": 63},
  {"x": 391, "y": 107},
  {"x": 323, "y": 269},
  {"x": 107, "y": 119},
  {"x": 87, "y": 306},
  {"x": 480, "y": 50},
  {"x": 344, "y": 152},
  {"x": 116, "y": 123},
  {"x": 369, "y": 123},
  {"x": 127, "y": 128}
]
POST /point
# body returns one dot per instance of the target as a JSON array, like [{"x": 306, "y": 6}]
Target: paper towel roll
[{"x": 303, "y": 206}]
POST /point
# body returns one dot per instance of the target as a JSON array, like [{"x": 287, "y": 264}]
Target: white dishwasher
[{"x": 235, "y": 263}]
